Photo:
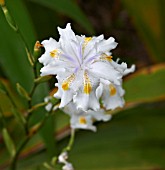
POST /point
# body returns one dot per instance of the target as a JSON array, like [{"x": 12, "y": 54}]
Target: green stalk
[{"x": 71, "y": 141}]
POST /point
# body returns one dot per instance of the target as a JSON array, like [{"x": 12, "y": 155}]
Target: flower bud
[
  {"x": 34, "y": 129},
  {"x": 37, "y": 50},
  {"x": 9, "y": 142},
  {"x": 30, "y": 57},
  {"x": 37, "y": 106},
  {"x": 8, "y": 17},
  {"x": 54, "y": 160},
  {"x": 42, "y": 79},
  {"x": 22, "y": 92}
]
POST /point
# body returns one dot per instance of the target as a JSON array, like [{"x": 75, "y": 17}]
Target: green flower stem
[
  {"x": 66, "y": 149},
  {"x": 71, "y": 141},
  {"x": 31, "y": 95},
  {"x": 15, "y": 158}
]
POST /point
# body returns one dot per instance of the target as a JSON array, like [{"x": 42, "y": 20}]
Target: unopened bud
[
  {"x": 9, "y": 18},
  {"x": 37, "y": 106},
  {"x": 34, "y": 129},
  {"x": 37, "y": 49},
  {"x": 30, "y": 57},
  {"x": 22, "y": 92},
  {"x": 42, "y": 79},
  {"x": 9, "y": 142},
  {"x": 54, "y": 161},
  {"x": 37, "y": 46},
  {"x": 47, "y": 166}
]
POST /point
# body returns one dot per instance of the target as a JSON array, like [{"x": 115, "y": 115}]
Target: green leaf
[
  {"x": 147, "y": 85},
  {"x": 69, "y": 8},
  {"x": 149, "y": 21}
]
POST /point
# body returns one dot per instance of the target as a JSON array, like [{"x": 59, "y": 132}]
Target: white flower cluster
[{"x": 86, "y": 74}]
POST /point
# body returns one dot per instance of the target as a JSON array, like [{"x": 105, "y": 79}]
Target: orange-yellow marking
[
  {"x": 82, "y": 120},
  {"x": 112, "y": 90},
  {"x": 87, "y": 84},
  {"x": 106, "y": 57},
  {"x": 86, "y": 40},
  {"x": 53, "y": 53},
  {"x": 66, "y": 83}
]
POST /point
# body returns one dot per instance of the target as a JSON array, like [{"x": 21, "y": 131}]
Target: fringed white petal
[
  {"x": 99, "y": 91},
  {"x": 66, "y": 97},
  {"x": 86, "y": 101},
  {"x": 105, "y": 71},
  {"x": 66, "y": 33},
  {"x": 50, "y": 69},
  {"x": 50, "y": 44},
  {"x": 107, "y": 45},
  {"x": 113, "y": 101},
  {"x": 100, "y": 115},
  {"x": 129, "y": 70},
  {"x": 77, "y": 124}
]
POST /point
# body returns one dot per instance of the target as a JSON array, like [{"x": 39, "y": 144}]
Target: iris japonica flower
[{"x": 84, "y": 69}]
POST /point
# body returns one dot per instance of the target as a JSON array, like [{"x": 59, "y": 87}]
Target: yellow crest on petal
[
  {"x": 65, "y": 86},
  {"x": 112, "y": 90},
  {"x": 86, "y": 40},
  {"x": 82, "y": 120},
  {"x": 53, "y": 53},
  {"x": 66, "y": 83},
  {"x": 87, "y": 84},
  {"x": 106, "y": 57}
]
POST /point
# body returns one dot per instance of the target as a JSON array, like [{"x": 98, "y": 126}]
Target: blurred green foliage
[{"x": 134, "y": 139}]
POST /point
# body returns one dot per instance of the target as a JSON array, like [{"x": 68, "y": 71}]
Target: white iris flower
[
  {"x": 81, "y": 65},
  {"x": 84, "y": 120}
]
